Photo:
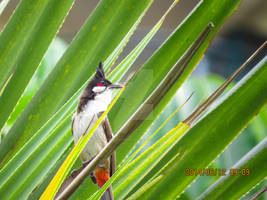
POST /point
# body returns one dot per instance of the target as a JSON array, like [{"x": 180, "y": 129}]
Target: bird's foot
[
  {"x": 85, "y": 163},
  {"x": 75, "y": 173}
]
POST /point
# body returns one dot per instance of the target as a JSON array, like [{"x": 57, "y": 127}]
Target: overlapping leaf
[
  {"x": 32, "y": 53},
  {"x": 60, "y": 117},
  {"x": 16, "y": 34},
  {"x": 179, "y": 129},
  {"x": 215, "y": 131},
  {"x": 45, "y": 146},
  {"x": 249, "y": 171},
  {"x": 72, "y": 70},
  {"x": 156, "y": 68}
]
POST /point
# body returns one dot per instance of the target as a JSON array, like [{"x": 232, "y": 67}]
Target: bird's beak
[{"x": 115, "y": 86}]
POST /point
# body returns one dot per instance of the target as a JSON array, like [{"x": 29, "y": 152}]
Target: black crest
[
  {"x": 100, "y": 74},
  {"x": 88, "y": 94}
]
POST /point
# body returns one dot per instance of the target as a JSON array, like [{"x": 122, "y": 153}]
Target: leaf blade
[
  {"x": 156, "y": 68},
  {"x": 255, "y": 162},
  {"x": 72, "y": 71},
  {"x": 196, "y": 140},
  {"x": 12, "y": 42},
  {"x": 32, "y": 53}
]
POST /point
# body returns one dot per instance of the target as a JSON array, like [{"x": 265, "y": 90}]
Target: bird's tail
[
  {"x": 108, "y": 195},
  {"x": 102, "y": 175}
]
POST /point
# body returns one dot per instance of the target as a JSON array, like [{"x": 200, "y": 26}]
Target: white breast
[{"x": 85, "y": 120}]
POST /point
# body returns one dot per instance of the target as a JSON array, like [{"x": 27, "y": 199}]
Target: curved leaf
[
  {"x": 16, "y": 34},
  {"x": 104, "y": 27},
  {"x": 19, "y": 182},
  {"x": 251, "y": 171},
  {"x": 123, "y": 67},
  {"x": 32, "y": 53},
  {"x": 215, "y": 131},
  {"x": 146, "y": 161},
  {"x": 156, "y": 68}
]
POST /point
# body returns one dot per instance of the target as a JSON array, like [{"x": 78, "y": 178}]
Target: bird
[{"x": 93, "y": 101}]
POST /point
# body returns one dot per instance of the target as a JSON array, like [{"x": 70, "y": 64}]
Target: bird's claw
[{"x": 74, "y": 173}]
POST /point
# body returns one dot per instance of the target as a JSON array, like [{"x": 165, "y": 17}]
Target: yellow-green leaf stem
[{"x": 137, "y": 169}]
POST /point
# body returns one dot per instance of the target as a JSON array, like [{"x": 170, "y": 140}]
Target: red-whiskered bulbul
[{"x": 93, "y": 101}]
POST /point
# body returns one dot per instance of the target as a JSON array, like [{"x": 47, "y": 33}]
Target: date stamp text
[{"x": 216, "y": 172}]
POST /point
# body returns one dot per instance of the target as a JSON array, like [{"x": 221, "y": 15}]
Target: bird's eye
[{"x": 99, "y": 84}]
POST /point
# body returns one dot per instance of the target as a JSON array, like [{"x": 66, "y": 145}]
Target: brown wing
[
  {"x": 109, "y": 136},
  {"x": 72, "y": 125}
]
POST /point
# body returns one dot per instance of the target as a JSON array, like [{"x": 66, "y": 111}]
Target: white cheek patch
[{"x": 99, "y": 89}]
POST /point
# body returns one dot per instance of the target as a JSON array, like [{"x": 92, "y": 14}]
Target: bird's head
[
  {"x": 98, "y": 89},
  {"x": 100, "y": 84}
]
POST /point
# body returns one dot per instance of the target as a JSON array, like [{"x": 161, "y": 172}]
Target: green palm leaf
[
  {"x": 32, "y": 53},
  {"x": 228, "y": 186},
  {"x": 156, "y": 68},
  {"x": 33, "y": 148},
  {"x": 205, "y": 135},
  {"x": 72, "y": 70}
]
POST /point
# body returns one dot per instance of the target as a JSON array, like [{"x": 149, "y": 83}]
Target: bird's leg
[
  {"x": 76, "y": 172},
  {"x": 85, "y": 163},
  {"x": 92, "y": 174}
]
